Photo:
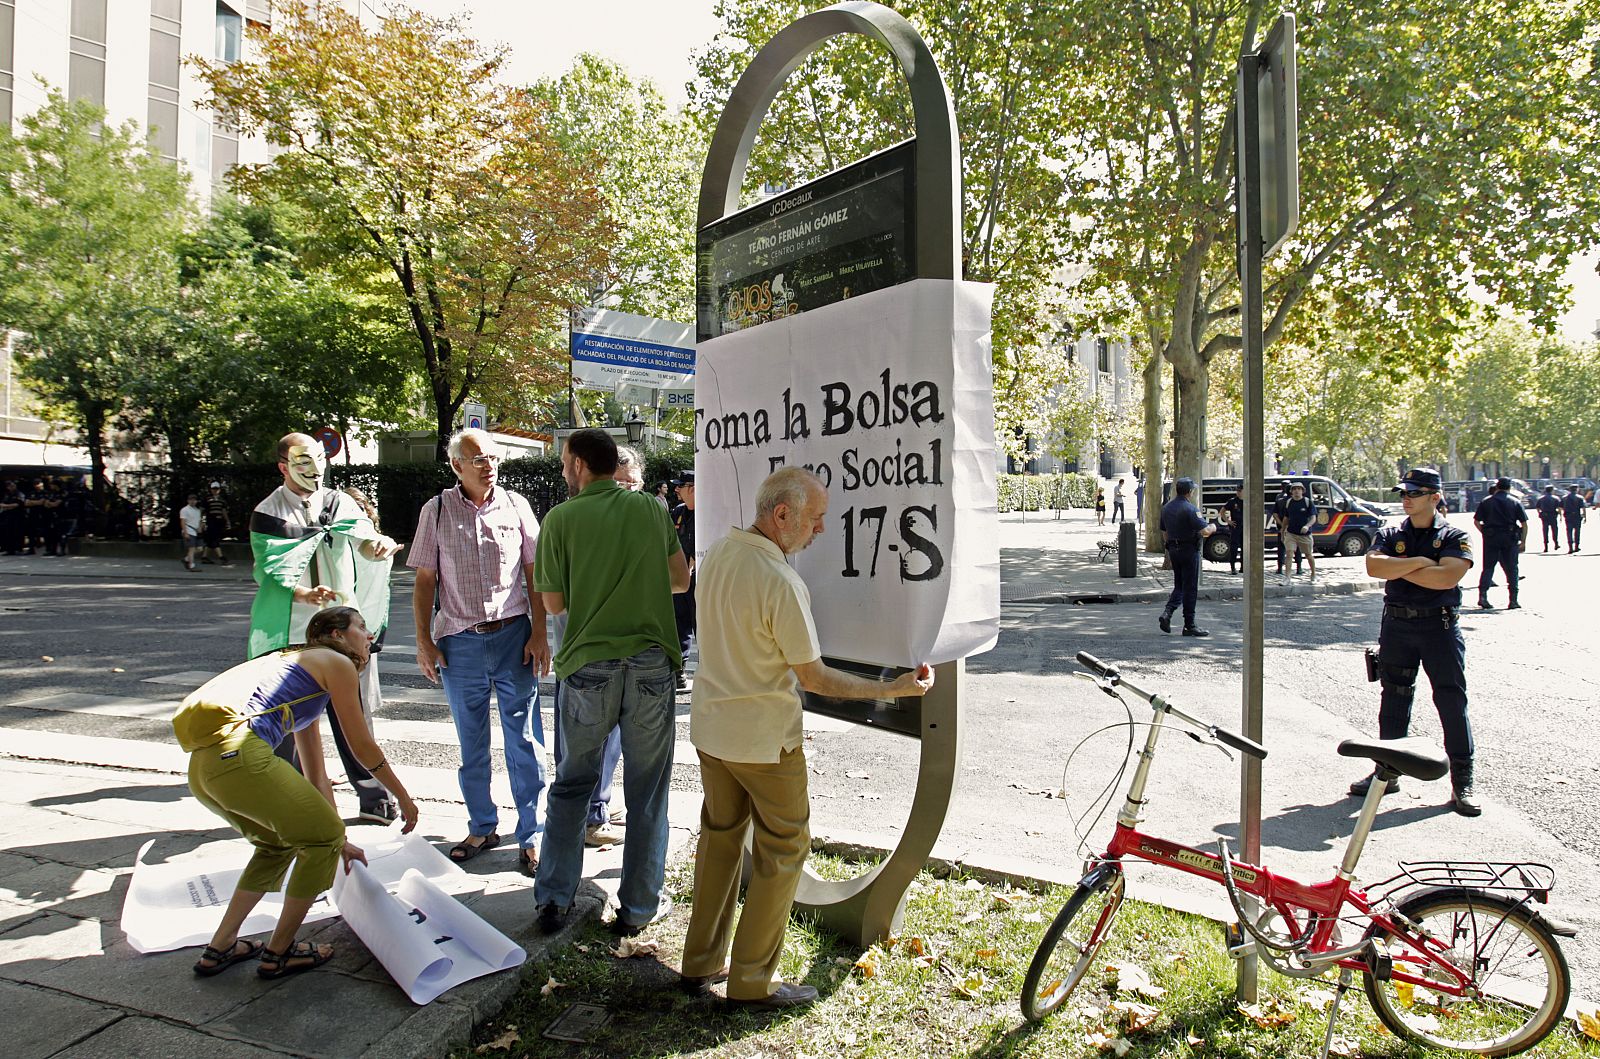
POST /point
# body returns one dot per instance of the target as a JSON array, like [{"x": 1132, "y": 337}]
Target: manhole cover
[{"x": 578, "y": 1024}]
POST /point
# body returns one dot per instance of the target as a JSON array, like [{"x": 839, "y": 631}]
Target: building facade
[{"x": 128, "y": 57}]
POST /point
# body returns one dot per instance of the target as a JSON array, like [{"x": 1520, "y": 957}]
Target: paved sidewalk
[{"x": 70, "y": 985}]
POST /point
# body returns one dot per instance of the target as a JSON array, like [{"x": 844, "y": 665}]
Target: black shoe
[
  {"x": 621, "y": 928},
  {"x": 550, "y": 918},
  {"x": 787, "y": 995},
  {"x": 1514, "y": 605},
  {"x": 700, "y": 984},
  {"x": 1165, "y": 621},
  {"x": 1361, "y": 786},
  {"x": 1484, "y": 604},
  {"x": 1462, "y": 798},
  {"x": 384, "y": 812},
  {"x": 681, "y": 681},
  {"x": 1194, "y": 630}
]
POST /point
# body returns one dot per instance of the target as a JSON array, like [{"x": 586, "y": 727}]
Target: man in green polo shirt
[{"x": 610, "y": 560}]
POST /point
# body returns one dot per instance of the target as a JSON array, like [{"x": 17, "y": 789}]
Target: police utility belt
[{"x": 1400, "y": 610}]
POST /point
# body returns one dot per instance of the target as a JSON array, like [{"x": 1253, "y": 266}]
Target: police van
[{"x": 1345, "y": 525}]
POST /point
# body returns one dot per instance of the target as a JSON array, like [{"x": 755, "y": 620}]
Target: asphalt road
[{"x": 1529, "y": 675}]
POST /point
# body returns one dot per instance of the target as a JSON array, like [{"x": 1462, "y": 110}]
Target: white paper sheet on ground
[
  {"x": 176, "y": 905},
  {"x": 427, "y": 940},
  {"x": 888, "y": 396}
]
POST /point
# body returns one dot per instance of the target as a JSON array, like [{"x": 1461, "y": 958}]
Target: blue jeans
[
  {"x": 637, "y": 694},
  {"x": 600, "y": 797},
  {"x": 473, "y": 664}
]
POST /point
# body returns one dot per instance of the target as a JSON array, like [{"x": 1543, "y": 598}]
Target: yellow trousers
[
  {"x": 284, "y": 817},
  {"x": 737, "y": 794}
]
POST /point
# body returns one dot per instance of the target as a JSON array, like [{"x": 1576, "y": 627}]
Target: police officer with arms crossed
[
  {"x": 1184, "y": 529},
  {"x": 1423, "y": 560},
  {"x": 1499, "y": 518}
]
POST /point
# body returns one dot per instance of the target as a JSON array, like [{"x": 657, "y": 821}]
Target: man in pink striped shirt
[{"x": 480, "y": 625}]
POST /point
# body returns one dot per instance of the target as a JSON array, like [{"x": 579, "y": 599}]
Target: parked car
[{"x": 1345, "y": 525}]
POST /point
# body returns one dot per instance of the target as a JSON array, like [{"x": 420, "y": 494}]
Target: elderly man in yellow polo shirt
[{"x": 758, "y": 646}]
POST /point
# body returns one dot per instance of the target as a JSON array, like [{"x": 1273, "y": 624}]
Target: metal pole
[{"x": 1255, "y": 500}]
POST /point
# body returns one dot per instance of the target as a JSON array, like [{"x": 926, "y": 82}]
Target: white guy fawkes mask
[{"x": 305, "y": 464}]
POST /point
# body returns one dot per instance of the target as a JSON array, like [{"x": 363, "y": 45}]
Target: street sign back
[{"x": 1278, "y": 109}]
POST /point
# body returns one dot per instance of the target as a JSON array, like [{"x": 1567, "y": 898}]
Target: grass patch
[{"x": 948, "y": 986}]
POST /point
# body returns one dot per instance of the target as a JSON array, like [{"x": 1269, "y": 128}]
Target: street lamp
[{"x": 635, "y": 426}]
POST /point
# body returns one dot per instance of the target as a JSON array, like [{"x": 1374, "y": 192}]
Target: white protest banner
[
  {"x": 427, "y": 940},
  {"x": 611, "y": 349},
  {"x": 179, "y": 904},
  {"x": 888, "y": 397}
]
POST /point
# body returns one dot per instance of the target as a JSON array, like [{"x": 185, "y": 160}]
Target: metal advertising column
[{"x": 835, "y": 332}]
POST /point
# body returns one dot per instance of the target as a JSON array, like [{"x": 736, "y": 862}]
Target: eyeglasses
[{"x": 481, "y": 462}]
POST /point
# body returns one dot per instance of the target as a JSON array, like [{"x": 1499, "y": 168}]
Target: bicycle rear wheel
[
  {"x": 1520, "y": 981},
  {"x": 1067, "y": 951}
]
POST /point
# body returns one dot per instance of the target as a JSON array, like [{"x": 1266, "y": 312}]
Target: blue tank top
[{"x": 284, "y": 701}]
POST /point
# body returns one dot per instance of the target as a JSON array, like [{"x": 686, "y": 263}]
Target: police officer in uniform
[
  {"x": 1233, "y": 518},
  {"x": 1549, "y": 514},
  {"x": 1184, "y": 529},
  {"x": 1504, "y": 526},
  {"x": 1572, "y": 509},
  {"x": 1423, "y": 560}
]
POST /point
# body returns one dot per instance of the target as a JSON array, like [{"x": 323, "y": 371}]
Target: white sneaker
[{"x": 602, "y": 835}]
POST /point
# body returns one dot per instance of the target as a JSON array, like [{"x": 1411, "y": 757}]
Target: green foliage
[
  {"x": 410, "y": 161},
  {"x": 89, "y": 215},
  {"x": 1041, "y": 492}
]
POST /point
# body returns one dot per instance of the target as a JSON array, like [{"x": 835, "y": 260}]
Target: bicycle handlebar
[{"x": 1221, "y": 735}]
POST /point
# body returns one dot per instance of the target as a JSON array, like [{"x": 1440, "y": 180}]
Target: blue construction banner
[{"x": 613, "y": 349}]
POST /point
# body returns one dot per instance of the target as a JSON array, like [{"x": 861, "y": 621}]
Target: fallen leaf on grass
[
  {"x": 629, "y": 947},
  {"x": 1589, "y": 1023},
  {"x": 986, "y": 954},
  {"x": 1344, "y": 1046},
  {"x": 1267, "y": 1020},
  {"x": 1131, "y": 978},
  {"x": 916, "y": 946},
  {"x": 925, "y": 961},
  {"x": 1005, "y": 900},
  {"x": 971, "y": 918},
  {"x": 1194, "y": 1042},
  {"x": 972, "y": 984},
  {"x": 500, "y": 1043},
  {"x": 581, "y": 947},
  {"x": 1134, "y": 1015},
  {"x": 551, "y": 986},
  {"x": 1032, "y": 917},
  {"x": 1319, "y": 998},
  {"x": 972, "y": 884},
  {"x": 868, "y": 964},
  {"x": 1107, "y": 1043}
]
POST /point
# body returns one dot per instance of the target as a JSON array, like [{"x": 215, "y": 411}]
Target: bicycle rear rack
[{"x": 1528, "y": 877}]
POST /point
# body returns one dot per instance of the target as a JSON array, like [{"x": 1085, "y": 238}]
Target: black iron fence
[{"x": 398, "y": 491}]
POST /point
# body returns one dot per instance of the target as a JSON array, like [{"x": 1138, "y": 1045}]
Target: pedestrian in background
[
  {"x": 1549, "y": 508},
  {"x": 1504, "y": 525},
  {"x": 1421, "y": 561},
  {"x": 1299, "y": 521},
  {"x": 610, "y": 560},
  {"x": 760, "y": 648},
  {"x": 13, "y": 517},
  {"x": 1184, "y": 530},
  {"x": 1572, "y": 508},
  {"x": 189, "y": 523},
  {"x": 1099, "y": 506},
  {"x": 1233, "y": 519},
  {"x": 1138, "y": 504},
  {"x": 1118, "y": 512},
  {"x": 218, "y": 525},
  {"x": 683, "y": 602},
  {"x": 480, "y": 628},
  {"x": 661, "y": 494}
]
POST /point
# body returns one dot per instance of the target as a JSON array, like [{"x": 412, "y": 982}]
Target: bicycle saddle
[{"x": 1414, "y": 757}]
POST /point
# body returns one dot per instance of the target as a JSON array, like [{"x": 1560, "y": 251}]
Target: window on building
[
  {"x": 230, "y": 34},
  {"x": 1102, "y": 352},
  {"x": 224, "y": 152},
  {"x": 86, "y": 61},
  {"x": 165, "y": 64},
  {"x": 8, "y": 25}
]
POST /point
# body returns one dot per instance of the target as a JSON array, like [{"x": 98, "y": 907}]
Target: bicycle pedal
[{"x": 1238, "y": 945}]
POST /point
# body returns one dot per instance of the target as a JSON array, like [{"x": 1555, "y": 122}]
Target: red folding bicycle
[{"x": 1451, "y": 953}]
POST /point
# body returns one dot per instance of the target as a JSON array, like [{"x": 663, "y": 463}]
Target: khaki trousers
[{"x": 774, "y": 798}]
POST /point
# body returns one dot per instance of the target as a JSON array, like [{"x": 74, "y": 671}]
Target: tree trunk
[
  {"x": 444, "y": 416},
  {"x": 94, "y": 436},
  {"x": 1192, "y": 388},
  {"x": 1153, "y": 462}
]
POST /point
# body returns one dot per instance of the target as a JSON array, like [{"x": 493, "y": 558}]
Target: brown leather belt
[{"x": 491, "y": 626}]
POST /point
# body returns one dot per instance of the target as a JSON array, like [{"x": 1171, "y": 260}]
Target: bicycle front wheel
[
  {"x": 1519, "y": 982},
  {"x": 1069, "y": 947}
]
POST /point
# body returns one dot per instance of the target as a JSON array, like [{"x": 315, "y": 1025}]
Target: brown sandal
[
  {"x": 223, "y": 959},
  {"x": 465, "y": 850},
  {"x": 276, "y": 964}
]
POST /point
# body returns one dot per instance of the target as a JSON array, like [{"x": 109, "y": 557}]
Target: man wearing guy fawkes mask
[{"x": 315, "y": 547}]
